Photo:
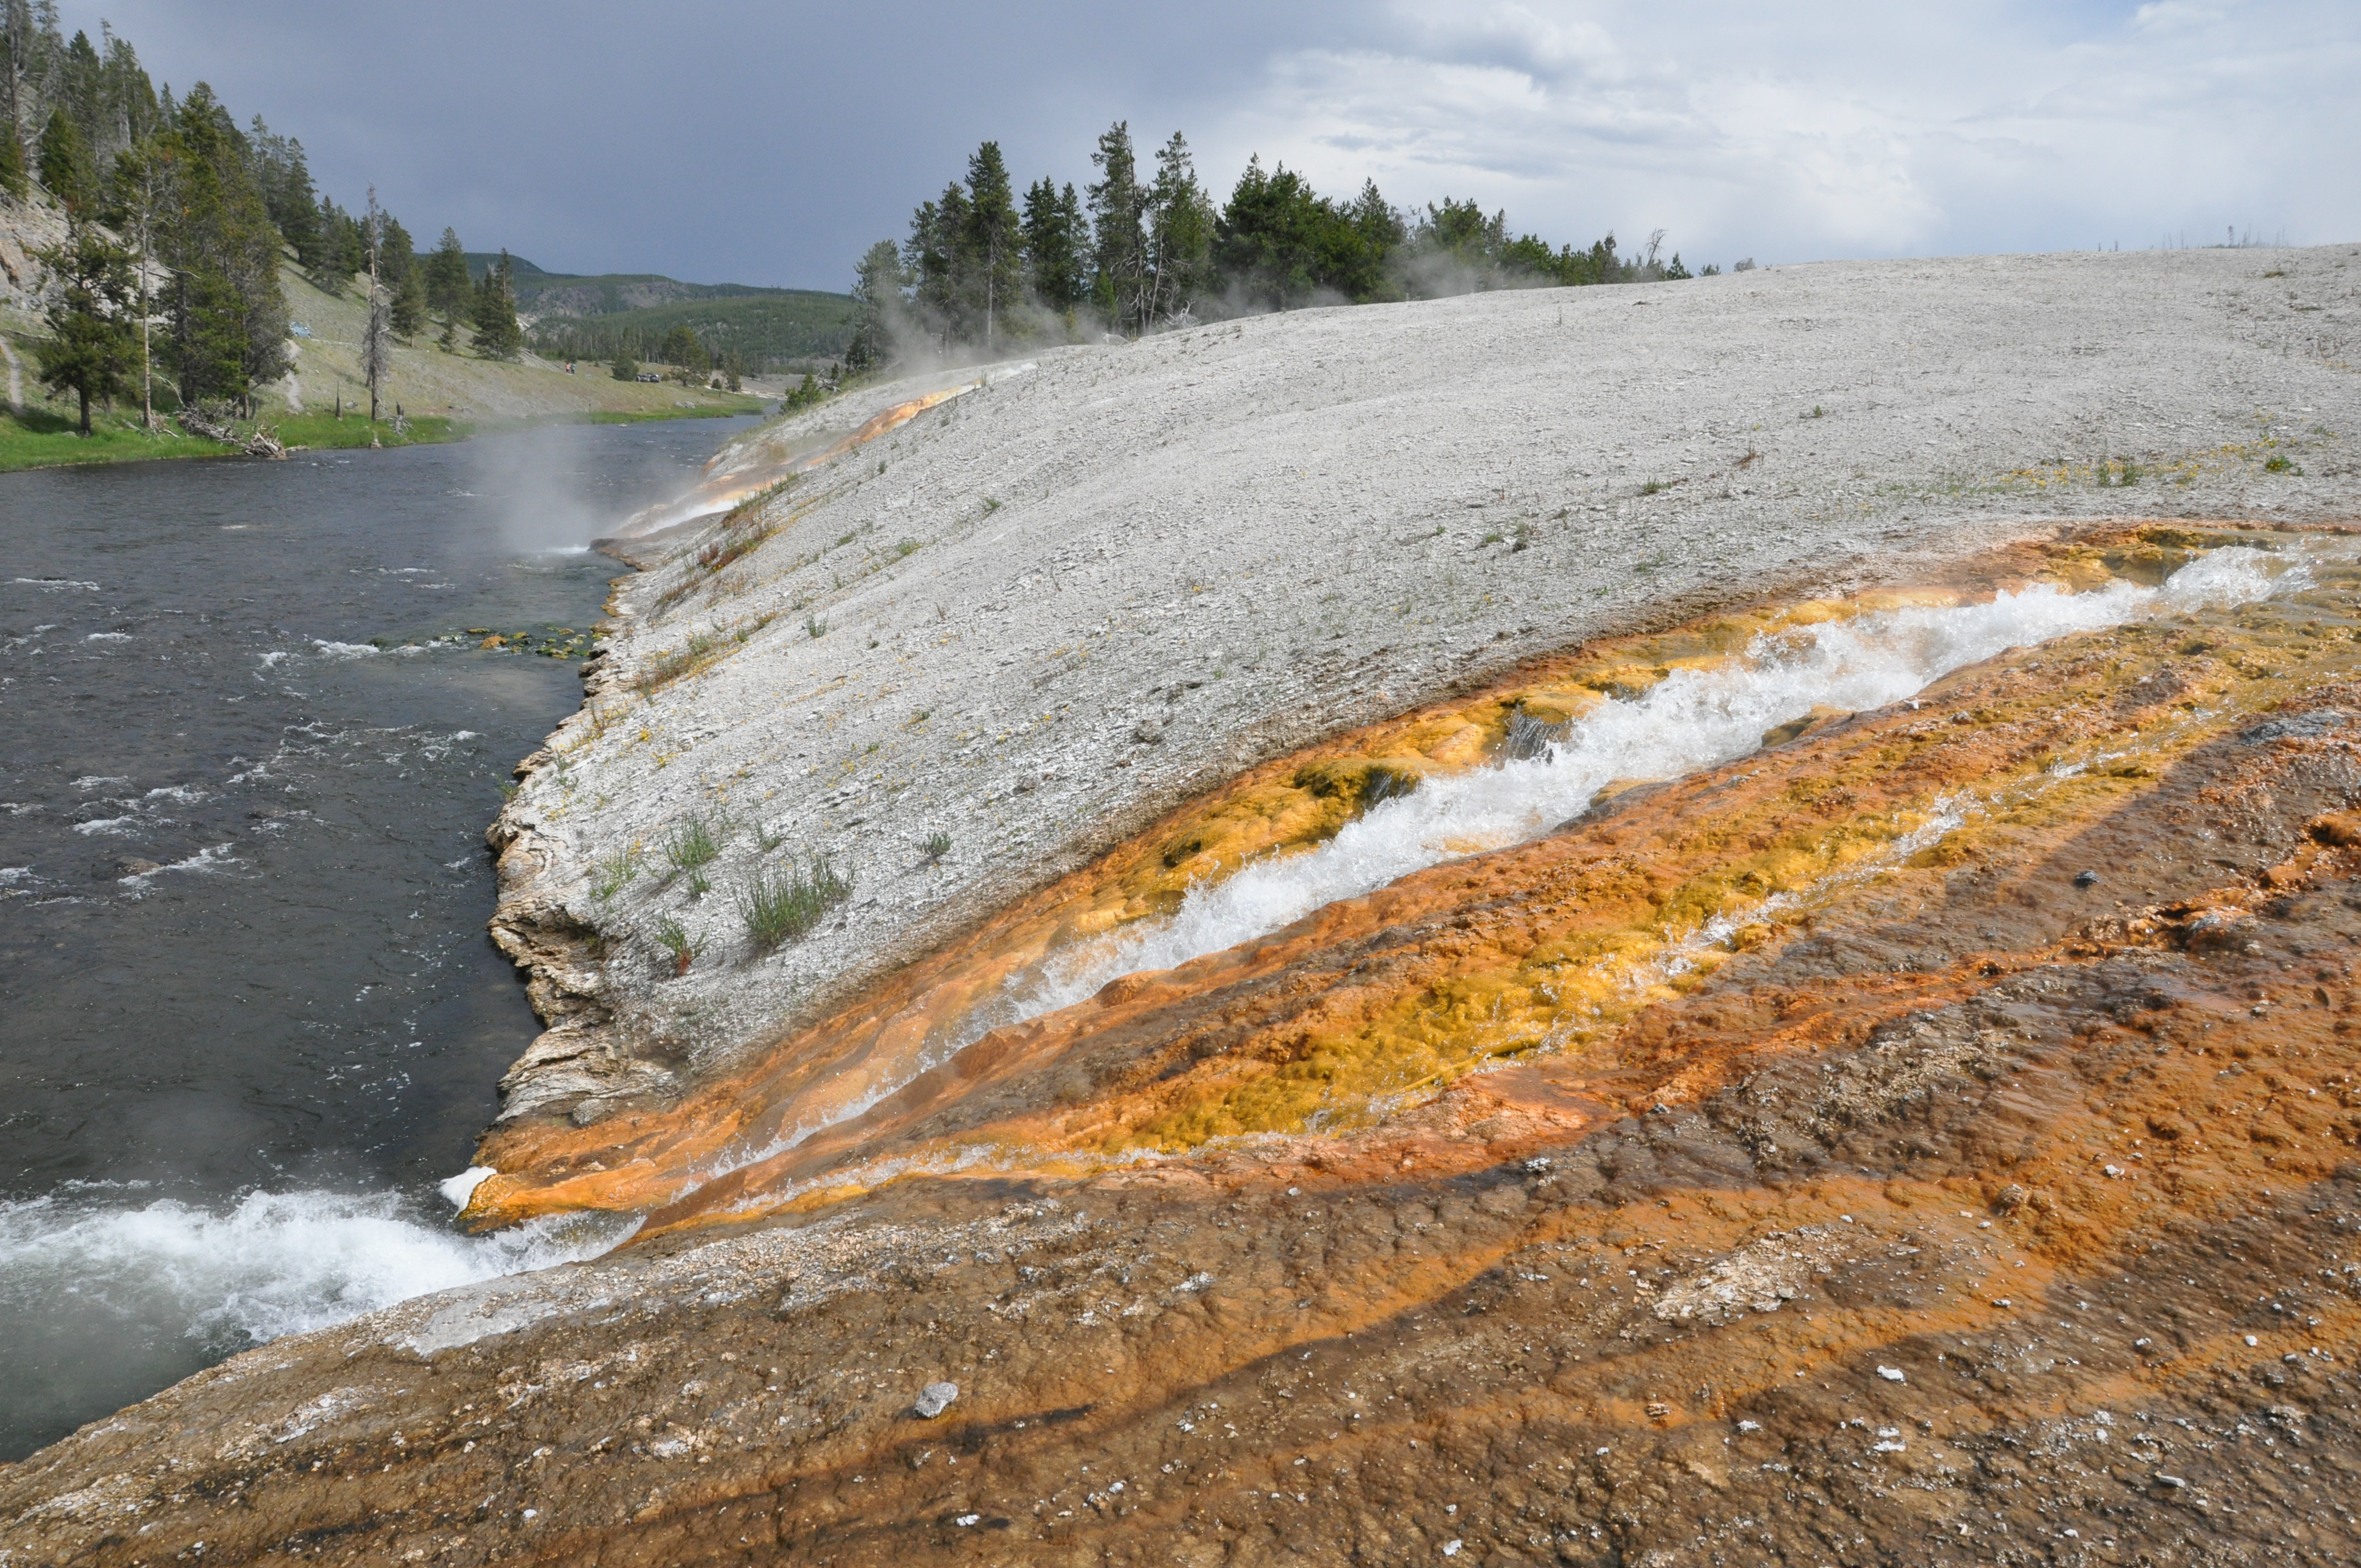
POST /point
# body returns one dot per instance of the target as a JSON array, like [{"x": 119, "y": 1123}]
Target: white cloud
[{"x": 1843, "y": 129}]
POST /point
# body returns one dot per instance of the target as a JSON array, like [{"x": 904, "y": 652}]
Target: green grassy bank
[{"x": 45, "y": 438}]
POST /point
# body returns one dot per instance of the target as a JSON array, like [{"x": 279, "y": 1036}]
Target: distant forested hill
[{"x": 569, "y": 315}]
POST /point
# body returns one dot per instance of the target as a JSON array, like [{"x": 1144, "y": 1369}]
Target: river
[{"x": 248, "y": 1013}]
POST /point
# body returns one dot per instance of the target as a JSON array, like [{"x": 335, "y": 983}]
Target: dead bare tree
[
  {"x": 140, "y": 180},
  {"x": 377, "y": 336}
]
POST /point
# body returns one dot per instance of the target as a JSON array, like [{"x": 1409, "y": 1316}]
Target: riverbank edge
[{"x": 304, "y": 433}]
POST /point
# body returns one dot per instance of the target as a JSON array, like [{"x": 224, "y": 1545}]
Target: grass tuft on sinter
[{"x": 780, "y": 906}]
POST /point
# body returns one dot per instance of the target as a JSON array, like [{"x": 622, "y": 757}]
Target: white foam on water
[
  {"x": 1693, "y": 720},
  {"x": 346, "y": 650},
  {"x": 212, "y": 857},
  {"x": 55, "y": 585},
  {"x": 271, "y": 1264},
  {"x": 108, "y": 637},
  {"x": 116, "y": 825}
]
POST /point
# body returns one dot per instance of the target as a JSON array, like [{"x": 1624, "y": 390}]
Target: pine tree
[
  {"x": 410, "y": 303},
  {"x": 91, "y": 351},
  {"x": 937, "y": 262},
  {"x": 1055, "y": 268},
  {"x": 12, "y": 165},
  {"x": 877, "y": 304},
  {"x": 1180, "y": 235},
  {"x": 687, "y": 354},
  {"x": 1118, "y": 207},
  {"x": 336, "y": 252},
  {"x": 991, "y": 245},
  {"x": 446, "y": 284},
  {"x": 65, "y": 162},
  {"x": 497, "y": 336},
  {"x": 127, "y": 99},
  {"x": 29, "y": 45},
  {"x": 216, "y": 241},
  {"x": 397, "y": 255},
  {"x": 73, "y": 86},
  {"x": 286, "y": 181},
  {"x": 1275, "y": 233},
  {"x": 626, "y": 367}
]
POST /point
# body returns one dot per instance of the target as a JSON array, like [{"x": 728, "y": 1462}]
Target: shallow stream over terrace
[
  {"x": 1221, "y": 894},
  {"x": 248, "y": 1015}
]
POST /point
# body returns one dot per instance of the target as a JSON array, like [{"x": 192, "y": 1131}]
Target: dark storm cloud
[
  {"x": 762, "y": 144},
  {"x": 770, "y": 144}
]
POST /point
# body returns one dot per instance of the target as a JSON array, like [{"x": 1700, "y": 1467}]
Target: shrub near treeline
[{"x": 1136, "y": 251}]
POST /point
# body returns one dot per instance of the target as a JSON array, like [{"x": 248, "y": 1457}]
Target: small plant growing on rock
[
  {"x": 674, "y": 662},
  {"x": 691, "y": 846},
  {"x": 675, "y": 940},
  {"x": 937, "y": 846},
  {"x": 815, "y": 627},
  {"x": 612, "y": 874},
  {"x": 782, "y": 905}
]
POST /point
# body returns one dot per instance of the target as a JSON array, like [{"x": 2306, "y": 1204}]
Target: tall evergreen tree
[
  {"x": 1180, "y": 235},
  {"x": 877, "y": 304},
  {"x": 74, "y": 87},
  {"x": 1376, "y": 233},
  {"x": 410, "y": 303},
  {"x": 397, "y": 255},
  {"x": 497, "y": 336},
  {"x": 65, "y": 162},
  {"x": 937, "y": 259},
  {"x": 991, "y": 244},
  {"x": 446, "y": 277},
  {"x": 29, "y": 45},
  {"x": 687, "y": 354},
  {"x": 91, "y": 351},
  {"x": 285, "y": 178},
  {"x": 1275, "y": 236},
  {"x": 1118, "y": 213},
  {"x": 12, "y": 178},
  {"x": 1055, "y": 268},
  {"x": 127, "y": 100},
  {"x": 216, "y": 242},
  {"x": 338, "y": 250}
]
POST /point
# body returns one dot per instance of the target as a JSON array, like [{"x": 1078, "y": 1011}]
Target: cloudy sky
[{"x": 726, "y": 140}]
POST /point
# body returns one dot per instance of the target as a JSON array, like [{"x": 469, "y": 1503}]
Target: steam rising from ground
[
  {"x": 1694, "y": 719},
  {"x": 545, "y": 492}
]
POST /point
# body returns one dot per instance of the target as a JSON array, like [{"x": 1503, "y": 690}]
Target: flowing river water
[{"x": 248, "y": 1013}]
